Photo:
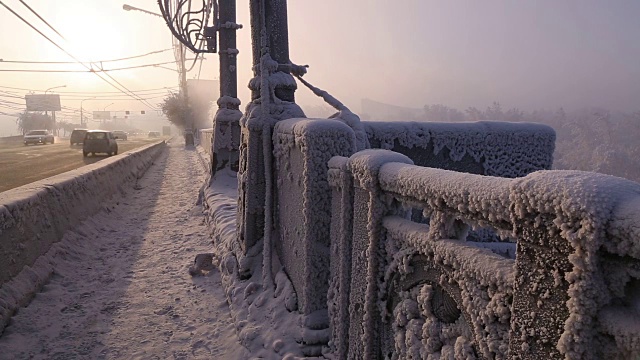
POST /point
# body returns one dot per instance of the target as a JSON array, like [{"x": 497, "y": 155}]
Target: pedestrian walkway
[{"x": 122, "y": 289}]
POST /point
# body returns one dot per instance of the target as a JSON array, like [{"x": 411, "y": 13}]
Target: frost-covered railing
[
  {"x": 410, "y": 289},
  {"x": 225, "y": 137},
  {"x": 206, "y": 141},
  {"x": 493, "y": 148}
]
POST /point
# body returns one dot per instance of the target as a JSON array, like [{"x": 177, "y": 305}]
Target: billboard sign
[
  {"x": 43, "y": 102},
  {"x": 101, "y": 115}
]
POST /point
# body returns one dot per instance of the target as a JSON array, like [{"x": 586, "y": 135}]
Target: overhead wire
[
  {"x": 74, "y": 62},
  {"x": 87, "y": 92},
  {"x": 72, "y": 56},
  {"x": 88, "y": 71},
  {"x": 43, "y": 20}
]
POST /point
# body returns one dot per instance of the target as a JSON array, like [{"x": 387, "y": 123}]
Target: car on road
[
  {"x": 120, "y": 134},
  {"x": 99, "y": 141},
  {"x": 77, "y": 136},
  {"x": 38, "y": 137},
  {"x": 154, "y": 134}
]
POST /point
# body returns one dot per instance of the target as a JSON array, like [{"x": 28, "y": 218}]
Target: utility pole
[
  {"x": 53, "y": 112},
  {"x": 179, "y": 54},
  {"x": 188, "y": 137},
  {"x": 274, "y": 14},
  {"x": 270, "y": 46},
  {"x": 228, "y": 52},
  {"x": 226, "y": 122},
  {"x": 81, "y": 111}
]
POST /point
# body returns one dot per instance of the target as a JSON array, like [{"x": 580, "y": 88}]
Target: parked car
[
  {"x": 99, "y": 141},
  {"x": 38, "y": 137},
  {"x": 77, "y": 136},
  {"x": 154, "y": 134},
  {"x": 119, "y": 134}
]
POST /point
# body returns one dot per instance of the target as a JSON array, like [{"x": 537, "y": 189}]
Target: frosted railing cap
[{"x": 366, "y": 164}]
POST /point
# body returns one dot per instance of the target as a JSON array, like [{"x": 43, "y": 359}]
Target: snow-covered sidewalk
[{"x": 122, "y": 290}]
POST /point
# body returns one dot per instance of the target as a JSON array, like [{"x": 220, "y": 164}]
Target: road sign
[{"x": 43, "y": 102}]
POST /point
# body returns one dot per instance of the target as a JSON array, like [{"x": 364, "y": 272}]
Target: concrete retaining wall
[{"x": 35, "y": 216}]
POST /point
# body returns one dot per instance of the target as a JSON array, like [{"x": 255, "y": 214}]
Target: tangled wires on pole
[{"x": 194, "y": 27}]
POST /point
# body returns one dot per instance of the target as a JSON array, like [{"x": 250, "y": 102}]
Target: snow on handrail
[{"x": 565, "y": 218}]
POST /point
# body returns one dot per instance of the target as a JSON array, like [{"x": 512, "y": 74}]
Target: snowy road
[{"x": 121, "y": 289}]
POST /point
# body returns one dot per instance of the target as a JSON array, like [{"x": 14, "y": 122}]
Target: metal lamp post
[
  {"x": 104, "y": 109},
  {"x": 53, "y": 113},
  {"x": 55, "y": 87},
  {"x": 81, "y": 112}
]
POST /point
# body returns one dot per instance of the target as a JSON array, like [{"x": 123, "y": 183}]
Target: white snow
[
  {"x": 266, "y": 318},
  {"x": 575, "y": 209},
  {"x": 121, "y": 287},
  {"x": 35, "y": 217},
  {"x": 582, "y": 206},
  {"x": 485, "y": 281}
]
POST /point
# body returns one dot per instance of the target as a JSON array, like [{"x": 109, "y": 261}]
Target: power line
[
  {"x": 142, "y": 100},
  {"x": 74, "y": 62},
  {"x": 102, "y": 97},
  {"x": 43, "y": 20},
  {"x": 10, "y": 102},
  {"x": 10, "y": 96},
  {"x": 66, "y": 52},
  {"x": 121, "y": 99},
  {"x": 88, "y": 92},
  {"x": 88, "y": 71}
]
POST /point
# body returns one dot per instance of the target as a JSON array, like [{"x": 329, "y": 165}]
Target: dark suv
[
  {"x": 77, "y": 136},
  {"x": 99, "y": 141}
]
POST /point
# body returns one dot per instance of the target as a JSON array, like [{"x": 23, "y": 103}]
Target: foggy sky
[
  {"x": 529, "y": 54},
  {"x": 526, "y": 54}
]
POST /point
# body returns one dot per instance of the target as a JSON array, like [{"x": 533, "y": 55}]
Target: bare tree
[{"x": 28, "y": 121}]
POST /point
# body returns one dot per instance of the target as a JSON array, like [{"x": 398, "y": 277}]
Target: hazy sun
[{"x": 101, "y": 43}]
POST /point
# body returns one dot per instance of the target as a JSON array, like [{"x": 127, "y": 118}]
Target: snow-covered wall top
[{"x": 529, "y": 147}]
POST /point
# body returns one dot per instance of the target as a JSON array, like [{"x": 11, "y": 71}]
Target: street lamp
[
  {"x": 53, "y": 112},
  {"x": 103, "y": 109},
  {"x": 55, "y": 87},
  {"x": 81, "y": 113},
  {"x": 129, "y": 8}
]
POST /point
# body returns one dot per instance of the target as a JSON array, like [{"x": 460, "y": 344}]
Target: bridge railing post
[
  {"x": 578, "y": 266},
  {"x": 367, "y": 251},
  {"x": 341, "y": 183}
]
